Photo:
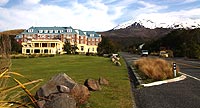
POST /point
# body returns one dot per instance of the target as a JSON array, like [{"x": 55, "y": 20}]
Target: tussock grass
[
  {"x": 11, "y": 95},
  {"x": 155, "y": 68}
]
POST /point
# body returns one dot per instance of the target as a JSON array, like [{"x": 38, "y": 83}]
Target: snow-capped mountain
[{"x": 186, "y": 24}]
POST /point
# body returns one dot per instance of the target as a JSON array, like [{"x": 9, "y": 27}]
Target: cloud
[
  {"x": 149, "y": 7},
  {"x": 98, "y": 15},
  {"x": 92, "y": 15},
  {"x": 31, "y": 2},
  {"x": 3, "y": 2},
  {"x": 171, "y": 17},
  {"x": 189, "y": 1}
]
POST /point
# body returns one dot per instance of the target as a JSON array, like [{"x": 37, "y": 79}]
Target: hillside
[
  {"x": 12, "y": 32},
  {"x": 15, "y": 46},
  {"x": 184, "y": 43},
  {"x": 134, "y": 35}
]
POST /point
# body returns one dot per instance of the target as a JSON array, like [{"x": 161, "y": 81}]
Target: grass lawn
[{"x": 79, "y": 68}]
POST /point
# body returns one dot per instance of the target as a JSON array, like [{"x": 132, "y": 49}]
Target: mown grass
[{"x": 79, "y": 68}]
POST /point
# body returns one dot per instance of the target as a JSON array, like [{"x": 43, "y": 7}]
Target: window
[
  {"x": 52, "y": 44},
  {"x": 45, "y": 50},
  {"x": 64, "y": 40},
  {"x": 45, "y": 31},
  {"x": 30, "y": 30},
  {"x": 69, "y": 30},
  {"x": 27, "y": 50},
  {"x": 91, "y": 35},
  {"x": 40, "y": 31},
  {"x": 82, "y": 48},
  {"x": 36, "y": 44},
  {"x": 92, "y": 49},
  {"x": 36, "y": 51},
  {"x": 50, "y": 31},
  {"x": 56, "y": 31},
  {"x": 44, "y": 44},
  {"x": 61, "y": 31}
]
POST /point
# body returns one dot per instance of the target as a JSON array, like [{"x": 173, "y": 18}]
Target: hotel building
[{"x": 51, "y": 40}]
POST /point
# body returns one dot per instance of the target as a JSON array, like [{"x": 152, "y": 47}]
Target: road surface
[{"x": 181, "y": 94}]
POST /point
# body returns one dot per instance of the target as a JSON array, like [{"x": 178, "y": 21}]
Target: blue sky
[{"x": 98, "y": 15}]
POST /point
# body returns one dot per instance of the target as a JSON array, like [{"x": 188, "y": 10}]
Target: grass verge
[{"x": 79, "y": 68}]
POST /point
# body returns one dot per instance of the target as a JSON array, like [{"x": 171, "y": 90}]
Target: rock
[
  {"x": 118, "y": 63},
  {"x": 113, "y": 59},
  {"x": 41, "y": 103},
  {"x": 103, "y": 81},
  {"x": 60, "y": 100},
  {"x": 63, "y": 89},
  {"x": 117, "y": 58},
  {"x": 92, "y": 84},
  {"x": 49, "y": 95},
  {"x": 80, "y": 93},
  {"x": 51, "y": 86}
]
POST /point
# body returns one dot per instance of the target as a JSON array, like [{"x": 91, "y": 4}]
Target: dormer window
[
  {"x": 50, "y": 31},
  {"x": 91, "y": 35},
  {"x": 61, "y": 31},
  {"x": 56, "y": 31},
  {"x": 40, "y": 31},
  {"x": 69, "y": 30},
  {"x": 45, "y": 31},
  {"x": 30, "y": 30}
]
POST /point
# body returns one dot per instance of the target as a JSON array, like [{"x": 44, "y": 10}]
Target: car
[
  {"x": 164, "y": 54},
  {"x": 144, "y": 53}
]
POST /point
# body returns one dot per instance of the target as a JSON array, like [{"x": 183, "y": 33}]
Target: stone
[
  {"x": 103, "y": 81},
  {"x": 80, "y": 93},
  {"x": 92, "y": 84},
  {"x": 117, "y": 58},
  {"x": 118, "y": 63},
  {"x": 41, "y": 103},
  {"x": 113, "y": 59},
  {"x": 51, "y": 86},
  {"x": 49, "y": 95},
  {"x": 60, "y": 100},
  {"x": 63, "y": 89}
]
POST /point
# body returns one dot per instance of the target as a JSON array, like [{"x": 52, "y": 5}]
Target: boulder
[
  {"x": 60, "y": 100},
  {"x": 113, "y": 59},
  {"x": 103, "y": 81},
  {"x": 63, "y": 89},
  {"x": 118, "y": 63},
  {"x": 80, "y": 93},
  {"x": 41, "y": 103},
  {"x": 92, "y": 85},
  {"x": 51, "y": 86},
  {"x": 57, "y": 86}
]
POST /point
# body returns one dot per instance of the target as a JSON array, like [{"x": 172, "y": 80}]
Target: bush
[
  {"x": 156, "y": 69},
  {"x": 18, "y": 56},
  {"x": 90, "y": 54}
]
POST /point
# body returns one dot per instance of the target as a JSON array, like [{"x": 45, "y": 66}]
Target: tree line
[{"x": 183, "y": 43}]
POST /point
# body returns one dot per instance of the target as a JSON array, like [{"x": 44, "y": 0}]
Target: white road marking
[
  {"x": 190, "y": 76},
  {"x": 182, "y": 77}
]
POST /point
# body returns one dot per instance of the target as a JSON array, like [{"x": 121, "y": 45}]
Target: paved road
[{"x": 182, "y": 94}]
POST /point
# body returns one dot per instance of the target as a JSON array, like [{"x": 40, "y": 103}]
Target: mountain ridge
[{"x": 187, "y": 24}]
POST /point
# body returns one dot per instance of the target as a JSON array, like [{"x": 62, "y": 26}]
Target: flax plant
[{"x": 13, "y": 95}]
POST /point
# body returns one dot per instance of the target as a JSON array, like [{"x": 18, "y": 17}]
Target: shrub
[
  {"x": 156, "y": 69},
  {"x": 20, "y": 56},
  {"x": 90, "y": 54}
]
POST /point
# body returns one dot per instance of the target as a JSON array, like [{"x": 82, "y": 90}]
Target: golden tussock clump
[{"x": 155, "y": 68}]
